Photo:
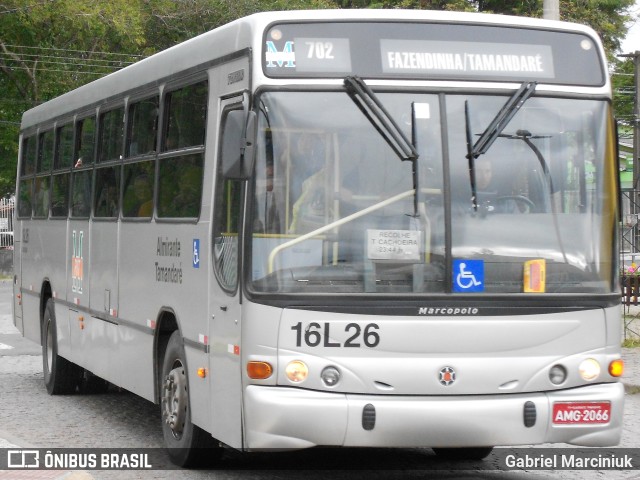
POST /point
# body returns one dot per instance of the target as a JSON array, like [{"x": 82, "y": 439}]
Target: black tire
[
  {"x": 464, "y": 453},
  {"x": 60, "y": 375},
  {"x": 188, "y": 445}
]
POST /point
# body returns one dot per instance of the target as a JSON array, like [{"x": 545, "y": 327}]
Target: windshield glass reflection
[{"x": 333, "y": 211}]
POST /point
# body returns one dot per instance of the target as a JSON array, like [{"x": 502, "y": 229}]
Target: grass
[
  {"x": 631, "y": 343},
  {"x": 631, "y": 389}
]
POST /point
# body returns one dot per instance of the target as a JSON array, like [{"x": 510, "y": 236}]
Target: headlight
[
  {"x": 297, "y": 371},
  {"x": 589, "y": 369}
]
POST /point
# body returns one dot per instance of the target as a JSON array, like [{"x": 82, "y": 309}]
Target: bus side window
[
  {"x": 24, "y": 198},
  {"x": 60, "y": 195},
  {"x": 186, "y": 117},
  {"x": 181, "y": 173},
  {"x": 45, "y": 152},
  {"x": 28, "y": 156},
  {"x": 138, "y": 190},
  {"x": 81, "y": 194},
  {"x": 27, "y": 167},
  {"x": 86, "y": 142},
  {"x": 111, "y": 135},
  {"x": 143, "y": 125},
  {"x": 107, "y": 192},
  {"x": 180, "y": 186},
  {"x": 64, "y": 148},
  {"x": 41, "y": 197}
]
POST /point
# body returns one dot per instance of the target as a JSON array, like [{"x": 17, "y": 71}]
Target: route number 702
[
  {"x": 316, "y": 334},
  {"x": 320, "y": 50}
]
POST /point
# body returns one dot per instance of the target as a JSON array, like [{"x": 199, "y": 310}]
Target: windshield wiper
[
  {"x": 493, "y": 130},
  {"x": 372, "y": 108},
  {"x": 380, "y": 118}
]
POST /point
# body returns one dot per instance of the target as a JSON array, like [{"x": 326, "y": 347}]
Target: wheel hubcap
[
  {"x": 49, "y": 347},
  {"x": 175, "y": 400}
]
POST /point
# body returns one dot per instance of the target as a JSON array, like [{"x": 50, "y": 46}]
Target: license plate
[{"x": 581, "y": 412}]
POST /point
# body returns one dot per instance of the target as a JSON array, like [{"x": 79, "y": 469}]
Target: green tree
[
  {"x": 50, "y": 47},
  {"x": 623, "y": 83}
]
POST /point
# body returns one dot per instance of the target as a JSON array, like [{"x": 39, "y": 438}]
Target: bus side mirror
[{"x": 238, "y": 144}]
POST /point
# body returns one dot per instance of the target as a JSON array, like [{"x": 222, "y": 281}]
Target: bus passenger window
[
  {"x": 180, "y": 186},
  {"x": 24, "y": 198},
  {"x": 186, "y": 117},
  {"x": 87, "y": 141},
  {"x": 64, "y": 149},
  {"x": 111, "y": 135},
  {"x": 81, "y": 194},
  {"x": 28, "y": 156},
  {"x": 41, "y": 197},
  {"x": 107, "y": 192},
  {"x": 60, "y": 196},
  {"x": 138, "y": 190},
  {"x": 45, "y": 153},
  {"x": 143, "y": 125}
]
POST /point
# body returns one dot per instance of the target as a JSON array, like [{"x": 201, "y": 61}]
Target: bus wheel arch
[
  {"x": 187, "y": 444},
  {"x": 46, "y": 292},
  {"x": 60, "y": 375},
  {"x": 166, "y": 324}
]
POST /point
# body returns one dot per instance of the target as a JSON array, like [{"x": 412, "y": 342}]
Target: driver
[{"x": 492, "y": 196}]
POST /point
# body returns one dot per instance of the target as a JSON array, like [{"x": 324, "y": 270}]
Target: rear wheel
[
  {"x": 60, "y": 375},
  {"x": 188, "y": 444}
]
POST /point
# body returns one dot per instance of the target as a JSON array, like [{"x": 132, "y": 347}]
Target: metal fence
[{"x": 7, "y": 206}]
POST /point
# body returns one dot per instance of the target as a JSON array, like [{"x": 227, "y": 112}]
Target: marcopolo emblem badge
[{"x": 447, "y": 376}]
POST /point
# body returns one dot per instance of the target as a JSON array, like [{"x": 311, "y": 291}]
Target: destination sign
[
  {"x": 402, "y": 56},
  {"x": 427, "y": 50}
]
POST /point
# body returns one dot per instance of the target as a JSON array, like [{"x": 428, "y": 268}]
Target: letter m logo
[{"x": 286, "y": 57}]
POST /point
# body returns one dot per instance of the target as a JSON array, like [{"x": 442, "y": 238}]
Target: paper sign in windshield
[{"x": 398, "y": 245}]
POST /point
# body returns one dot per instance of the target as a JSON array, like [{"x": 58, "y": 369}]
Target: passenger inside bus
[{"x": 143, "y": 204}]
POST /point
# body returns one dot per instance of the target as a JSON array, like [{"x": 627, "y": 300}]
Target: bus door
[{"x": 225, "y": 308}]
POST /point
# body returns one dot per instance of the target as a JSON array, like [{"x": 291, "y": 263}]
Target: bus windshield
[{"x": 333, "y": 209}]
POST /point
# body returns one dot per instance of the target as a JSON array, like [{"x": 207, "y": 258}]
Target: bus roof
[{"x": 246, "y": 33}]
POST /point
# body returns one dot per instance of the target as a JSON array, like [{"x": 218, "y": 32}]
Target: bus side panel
[
  {"x": 43, "y": 259},
  {"x": 78, "y": 242},
  {"x": 103, "y": 285},
  {"x": 139, "y": 302},
  {"x": 17, "y": 276},
  {"x": 103, "y": 298}
]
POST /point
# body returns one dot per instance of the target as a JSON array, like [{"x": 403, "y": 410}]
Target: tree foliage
[{"x": 48, "y": 47}]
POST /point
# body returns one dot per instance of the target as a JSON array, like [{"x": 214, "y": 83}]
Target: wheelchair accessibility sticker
[{"x": 468, "y": 276}]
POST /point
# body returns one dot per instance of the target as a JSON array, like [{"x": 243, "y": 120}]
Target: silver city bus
[{"x": 340, "y": 228}]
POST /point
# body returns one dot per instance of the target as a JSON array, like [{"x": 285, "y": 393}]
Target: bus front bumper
[{"x": 291, "y": 418}]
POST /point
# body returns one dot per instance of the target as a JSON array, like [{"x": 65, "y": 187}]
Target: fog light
[
  {"x": 616, "y": 368},
  {"x": 330, "y": 376},
  {"x": 297, "y": 371},
  {"x": 557, "y": 374},
  {"x": 589, "y": 369}
]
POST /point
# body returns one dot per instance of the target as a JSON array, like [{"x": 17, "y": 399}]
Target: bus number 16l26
[{"x": 315, "y": 334}]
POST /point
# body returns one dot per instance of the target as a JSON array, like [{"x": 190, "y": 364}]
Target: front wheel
[
  {"x": 60, "y": 375},
  {"x": 187, "y": 444}
]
